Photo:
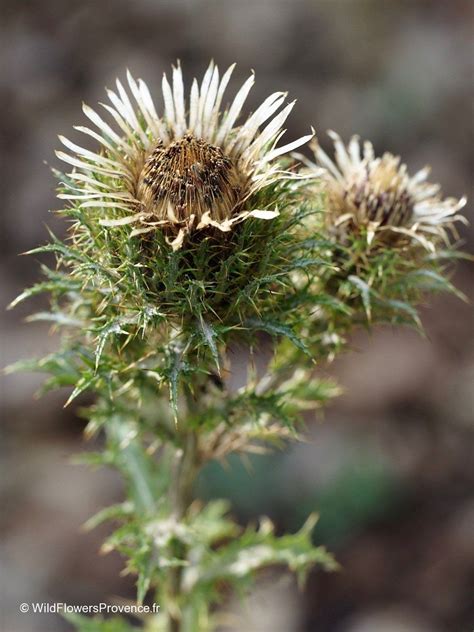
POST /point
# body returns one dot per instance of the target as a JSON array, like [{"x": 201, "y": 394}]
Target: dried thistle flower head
[
  {"x": 378, "y": 195},
  {"x": 186, "y": 170}
]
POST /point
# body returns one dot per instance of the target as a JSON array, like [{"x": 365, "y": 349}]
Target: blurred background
[{"x": 389, "y": 465}]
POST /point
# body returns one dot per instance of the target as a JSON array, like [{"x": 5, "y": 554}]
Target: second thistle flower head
[
  {"x": 378, "y": 196},
  {"x": 186, "y": 170}
]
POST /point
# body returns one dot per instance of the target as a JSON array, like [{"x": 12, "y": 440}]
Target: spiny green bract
[
  {"x": 386, "y": 285},
  {"x": 141, "y": 315}
]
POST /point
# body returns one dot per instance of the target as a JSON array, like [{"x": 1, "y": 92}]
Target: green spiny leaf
[
  {"x": 276, "y": 328},
  {"x": 365, "y": 291},
  {"x": 209, "y": 335}
]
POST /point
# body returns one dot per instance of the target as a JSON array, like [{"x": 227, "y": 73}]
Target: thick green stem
[{"x": 183, "y": 479}]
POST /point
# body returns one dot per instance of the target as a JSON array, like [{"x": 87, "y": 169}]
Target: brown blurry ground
[{"x": 390, "y": 467}]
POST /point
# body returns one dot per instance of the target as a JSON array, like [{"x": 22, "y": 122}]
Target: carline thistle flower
[
  {"x": 187, "y": 170},
  {"x": 378, "y": 195}
]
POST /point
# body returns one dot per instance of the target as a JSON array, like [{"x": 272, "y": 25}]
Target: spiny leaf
[
  {"x": 84, "y": 383},
  {"x": 209, "y": 335},
  {"x": 333, "y": 302},
  {"x": 404, "y": 307},
  {"x": 113, "y": 512},
  {"x": 109, "y": 329},
  {"x": 302, "y": 264},
  {"x": 145, "y": 576},
  {"x": 71, "y": 254},
  {"x": 279, "y": 329},
  {"x": 256, "y": 549},
  {"x": 60, "y": 318},
  {"x": 441, "y": 255},
  {"x": 175, "y": 369},
  {"x": 432, "y": 280},
  {"x": 46, "y": 286},
  {"x": 135, "y": 463},
  {"x": 365, "y": 291}
]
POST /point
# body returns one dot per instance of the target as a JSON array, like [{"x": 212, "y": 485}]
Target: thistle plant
[{"x": 194, "y": 240}]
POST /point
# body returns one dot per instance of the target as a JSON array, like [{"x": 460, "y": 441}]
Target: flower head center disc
[
  {"x": 392, "y": 206},
  {"x": 188, "y": 178}
]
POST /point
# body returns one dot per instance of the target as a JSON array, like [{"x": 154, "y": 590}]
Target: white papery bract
[
  {"x": 378, "y": 195},
  {"x": 191, "y": 168}
]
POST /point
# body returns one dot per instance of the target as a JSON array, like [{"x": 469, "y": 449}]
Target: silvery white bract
[
  {"x": 191, "y": 167},
  {"x": 378, "y": 194}
]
